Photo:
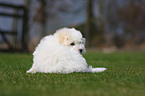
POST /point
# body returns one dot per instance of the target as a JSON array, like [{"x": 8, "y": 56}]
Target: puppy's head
[{"x": 71, "y": 38}]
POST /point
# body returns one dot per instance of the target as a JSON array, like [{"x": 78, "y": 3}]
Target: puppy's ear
[
  {"x": 62, "y": 38},
  {"x": 84, "y": 40}
]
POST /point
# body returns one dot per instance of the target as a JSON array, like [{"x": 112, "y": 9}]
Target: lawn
[{"x": 125, "y": 76}]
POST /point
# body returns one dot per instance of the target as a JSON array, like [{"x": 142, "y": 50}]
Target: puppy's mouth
[{"x": 81, "y": 50}]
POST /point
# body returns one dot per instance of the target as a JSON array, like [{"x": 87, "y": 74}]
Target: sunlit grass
[{"x": 125, "y": 76}]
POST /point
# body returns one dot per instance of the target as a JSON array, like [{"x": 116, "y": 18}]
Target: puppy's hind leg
[{"x": 31, "y": 70}]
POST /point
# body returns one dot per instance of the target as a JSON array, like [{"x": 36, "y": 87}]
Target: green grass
[{"x": 125, "y": 76}]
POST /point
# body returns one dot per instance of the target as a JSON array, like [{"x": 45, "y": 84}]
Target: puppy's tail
[{"x": 93, "y": 70}]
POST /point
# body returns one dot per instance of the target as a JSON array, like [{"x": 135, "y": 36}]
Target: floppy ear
[
  {"x": 62, "y": 38},
  {"x": 84, "y": 40}
]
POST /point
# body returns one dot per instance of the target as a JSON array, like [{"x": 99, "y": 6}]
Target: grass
[{"x": 125, "y": 76}]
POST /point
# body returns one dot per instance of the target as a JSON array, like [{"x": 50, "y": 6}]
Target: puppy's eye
[{"x": 72, "y": 44}]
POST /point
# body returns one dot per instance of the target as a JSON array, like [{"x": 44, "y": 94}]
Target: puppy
[{"x": 61, "y": 53}]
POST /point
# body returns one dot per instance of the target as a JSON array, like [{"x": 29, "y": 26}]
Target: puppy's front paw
[{"x": 98, "y": 69}]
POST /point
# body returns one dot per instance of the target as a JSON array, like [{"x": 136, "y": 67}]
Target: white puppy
[{"x": 60, "y": 53}]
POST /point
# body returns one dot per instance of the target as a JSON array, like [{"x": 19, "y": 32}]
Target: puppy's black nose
[{"x": 81, "y": 50}]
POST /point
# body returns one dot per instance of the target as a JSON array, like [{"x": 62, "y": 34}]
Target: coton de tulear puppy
[{"x": 61, "y": 53}]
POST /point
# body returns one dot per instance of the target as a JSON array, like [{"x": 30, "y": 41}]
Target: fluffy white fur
[{"x": 60, "y": 53}]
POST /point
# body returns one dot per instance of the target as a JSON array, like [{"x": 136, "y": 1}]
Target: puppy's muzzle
[{"x": 81, "y": 50}]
